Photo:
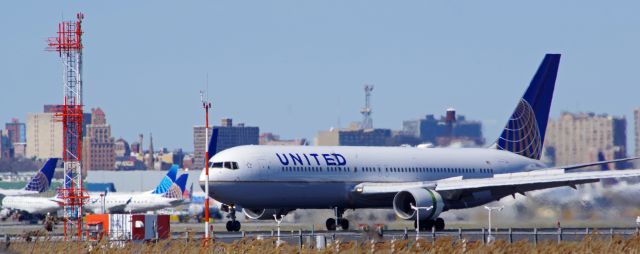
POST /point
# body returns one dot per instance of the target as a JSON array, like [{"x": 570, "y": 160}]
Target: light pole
[
  {"x": 490, "y": 209},
  {"x": 206, "y": 104},
  {"x": 417, "y": 209},
  {"x": 103, "y": 196},
  {"x": 275, "y": 217}
]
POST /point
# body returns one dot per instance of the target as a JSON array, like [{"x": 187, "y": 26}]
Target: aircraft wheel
[
  {"x": 236, "y": 226},
  {"x": 426, "y": 225},
  {"x": 230, "y": 226},
  {"x": 331, "y": 224},
  {"x": 439, "y": 224},
  {"x": 344, "y": 224}
]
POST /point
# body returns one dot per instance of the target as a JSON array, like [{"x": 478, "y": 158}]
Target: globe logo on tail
[
  {"x": 174, "y": 192},
  {"x": 38, "y": 183},
  {"x": 522, "y": 135}
]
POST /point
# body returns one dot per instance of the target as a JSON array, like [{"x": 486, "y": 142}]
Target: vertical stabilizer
[
  {"x": 42, "y": 180},
  {"x": 213, "y": 145},
  {"x": 167, "y": 180},
  {"x": 525, "y": 130},
  {"x": 178, "y": 188}
]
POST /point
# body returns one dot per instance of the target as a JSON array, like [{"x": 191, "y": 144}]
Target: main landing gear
[
  {"x": 332, "y": 223},
  {"x": 427, "y": 225},
  {"x": 233, "y": 225}
]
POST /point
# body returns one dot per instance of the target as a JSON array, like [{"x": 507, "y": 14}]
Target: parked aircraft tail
[
  {"x": 42, "y": 180},
  {"x": 177, "y": 188},
  {"x": 167, "y": 180}
]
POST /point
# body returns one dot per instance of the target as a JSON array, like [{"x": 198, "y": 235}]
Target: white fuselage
[
  {"x": 16, "y": 192},
  {"x": 137, "y": 202},
  {"x": 324, "y": 177},
  {"x": 32, "y": 205}
]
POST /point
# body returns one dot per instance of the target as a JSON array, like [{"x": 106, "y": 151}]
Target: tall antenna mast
[
  {"x": 68, "y": 44},
  {"x": 206, "y": 105},
  {"x": 367, "y": 121}
]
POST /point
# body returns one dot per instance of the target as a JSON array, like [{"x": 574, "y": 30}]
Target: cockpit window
[{"x": 226, "y": 164}]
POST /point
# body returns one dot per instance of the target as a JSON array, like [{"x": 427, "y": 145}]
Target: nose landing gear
[{"x": 233, "y": 225}]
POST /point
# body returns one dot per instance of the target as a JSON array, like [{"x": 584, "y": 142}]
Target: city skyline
[{"x": 298, "y": 68}]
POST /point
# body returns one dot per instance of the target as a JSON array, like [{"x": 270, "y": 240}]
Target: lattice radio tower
[
  {"x": 367, "y": 121},
  {"x": 68, "y": 44}
]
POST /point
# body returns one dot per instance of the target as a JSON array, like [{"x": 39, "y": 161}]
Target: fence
[{"x": 321, "y": 239}]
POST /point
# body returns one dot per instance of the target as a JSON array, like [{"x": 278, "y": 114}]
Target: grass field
[{"x": 590, "y": 244}]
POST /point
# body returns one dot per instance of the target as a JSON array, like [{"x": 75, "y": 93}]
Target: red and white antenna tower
[
  {"x": 68, "y": 44},
  {"x": 206, "y": 105}
]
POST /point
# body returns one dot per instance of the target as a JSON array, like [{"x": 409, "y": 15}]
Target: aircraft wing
[
  {"x": 500, "y": 184},
  {"x": 119, "y": 208}
]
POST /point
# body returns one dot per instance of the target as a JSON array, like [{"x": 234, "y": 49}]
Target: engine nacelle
[
  {"x": 418, "y": 197},
  {"x": 264, "y": 214}
]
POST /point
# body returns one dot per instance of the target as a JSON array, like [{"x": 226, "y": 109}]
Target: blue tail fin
[
  {"x": 177, "y": 188},
  {"x": 42, "y": 180},
  {"x": 182, "y": 182},
  {"x": 167, "y": 180},
  {"x": 525, "y": 130},
  {"x": 213, "y": 144}
]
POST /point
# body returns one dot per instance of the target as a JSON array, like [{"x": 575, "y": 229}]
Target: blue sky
[{"x": 297, "y": 67}]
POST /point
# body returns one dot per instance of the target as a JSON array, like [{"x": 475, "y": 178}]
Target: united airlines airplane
[
  {"x": 270, "y": 181},
  {"x": 168, "y": 193}
]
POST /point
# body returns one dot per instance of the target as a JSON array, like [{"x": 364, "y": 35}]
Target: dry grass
[{"x": 590, "y": 244}]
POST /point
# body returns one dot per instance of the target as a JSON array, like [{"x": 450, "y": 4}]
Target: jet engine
[
  {"x": 418, "y": 197},
  {"x": 264, "y": 214}
]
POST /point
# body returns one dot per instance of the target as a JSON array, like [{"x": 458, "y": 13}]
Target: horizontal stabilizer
[{"x": 603, "y": 162}]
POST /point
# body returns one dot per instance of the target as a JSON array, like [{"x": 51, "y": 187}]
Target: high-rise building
[
  {"x": 578, "y": 138},
  {"x": 16, "y": 131},
  {"x": 6, "y": 150},
  {"x": 44, "y": 136},
  {"x": 228, "y": 136},
  {"x": 86, "y": 117},
  {"x": 98, "y": 145}
]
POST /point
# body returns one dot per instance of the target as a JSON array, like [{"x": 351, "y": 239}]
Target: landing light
[{"x": 359, "y": 189}]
